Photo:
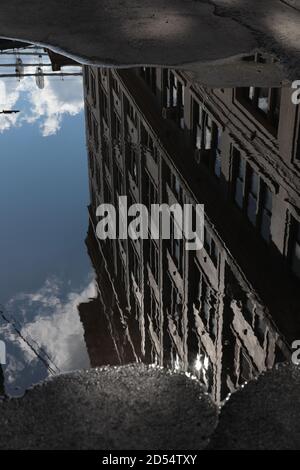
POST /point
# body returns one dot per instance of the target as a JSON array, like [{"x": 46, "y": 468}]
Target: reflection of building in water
[
  {"x": 2, "y": 389},
  {"x": 228, "y": 311},
  {"x": 108, "y": 330}
]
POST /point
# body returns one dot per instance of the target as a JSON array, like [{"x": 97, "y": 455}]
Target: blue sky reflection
[{"x": 45, "y": 270}]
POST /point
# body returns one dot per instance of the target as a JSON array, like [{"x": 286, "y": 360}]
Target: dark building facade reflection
[
  {"x": 2, "y": 390},
  {"x": 229, "y": 311}
]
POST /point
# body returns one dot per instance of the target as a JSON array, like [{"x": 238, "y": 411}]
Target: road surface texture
[
  {"x": 130, "y": 407},
  {"x": 197, "y": 34},
  {"x": 265, "y": 415}
]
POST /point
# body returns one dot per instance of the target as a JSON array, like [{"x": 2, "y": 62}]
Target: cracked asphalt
[{"x": 189, "y": 33}]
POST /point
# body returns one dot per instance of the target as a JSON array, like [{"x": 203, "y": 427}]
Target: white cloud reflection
[
  {"x": 47, "y": 107},
  {"x": 47, "y": 332}
]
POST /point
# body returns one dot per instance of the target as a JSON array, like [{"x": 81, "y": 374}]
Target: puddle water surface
[{"x": 77, "y": 137}]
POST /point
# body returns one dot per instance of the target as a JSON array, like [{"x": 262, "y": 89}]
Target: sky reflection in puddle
[{"x": 43, "y": 197}]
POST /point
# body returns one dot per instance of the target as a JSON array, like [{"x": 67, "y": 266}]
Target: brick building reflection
[
  {"x": 231, "y": 310},
  {"x": 2, "y": 390}
]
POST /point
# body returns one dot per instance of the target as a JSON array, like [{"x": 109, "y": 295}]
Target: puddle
[{"x": 84, "y": 136}]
